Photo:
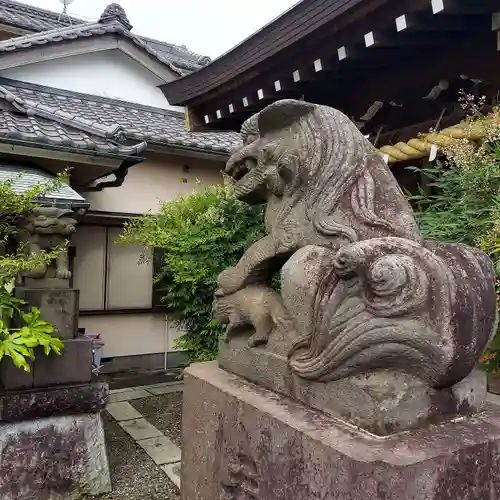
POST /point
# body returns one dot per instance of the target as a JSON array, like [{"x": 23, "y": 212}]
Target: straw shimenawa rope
[{"x": 418, "y": 148}]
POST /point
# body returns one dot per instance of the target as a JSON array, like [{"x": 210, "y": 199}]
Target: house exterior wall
[
  {"x": 109, "y": 73},
  {"x": 153, "y": 181},
  {"x": 126, "y": 333},
  {"x": 132, "y": 334}
]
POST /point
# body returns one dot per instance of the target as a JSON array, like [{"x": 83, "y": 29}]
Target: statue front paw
[
  {"x": 63, "y": 274},
  {"x": 230, "y": 281}
]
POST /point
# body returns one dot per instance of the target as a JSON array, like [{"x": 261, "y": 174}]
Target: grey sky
[{"x": 209, "y": 27}]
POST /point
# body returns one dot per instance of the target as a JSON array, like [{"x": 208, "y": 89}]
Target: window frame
[{"x": 156, "y": 305}]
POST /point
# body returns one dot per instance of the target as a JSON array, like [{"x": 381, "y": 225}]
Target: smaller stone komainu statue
[
  {"x": 47, "y": 228},
  {"x": 384, "y": 329}
]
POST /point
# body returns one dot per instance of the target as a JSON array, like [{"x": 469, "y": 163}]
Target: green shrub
[
  {"x": 197, "y": 236},
  {"x": 461, "y": 202},
  {"x": 19, "y": 343}
]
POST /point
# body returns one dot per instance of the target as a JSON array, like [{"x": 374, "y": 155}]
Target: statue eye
[{"x": 269, "y": 153}]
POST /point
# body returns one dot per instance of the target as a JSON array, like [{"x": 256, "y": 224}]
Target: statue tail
[{"x": 427, "y": 310}]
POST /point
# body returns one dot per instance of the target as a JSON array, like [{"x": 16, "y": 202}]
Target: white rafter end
[
  {"x": 369, "y": 39},
  {"x": 495, "y": 21},
  {"x": 207, "y": 119},
  {"x": 231, "y": 108},
  {"x": 296, "y": 76},
  {"x": 342, "y": 53},
  {"x": 260, "y": 94},
  {"x": 218, "y": 113},
  {"x": 245, "y": 102},
  {"x": 318, "y": 66},
  {"x": 277, "y": 85},
  {"x": 437, "y": 6},
  {"x": 401, "y": 23}
]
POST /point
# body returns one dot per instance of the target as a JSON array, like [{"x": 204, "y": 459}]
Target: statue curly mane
[
  {"x": 326, "y": 167},
  {"x": 339, "y": 167}
]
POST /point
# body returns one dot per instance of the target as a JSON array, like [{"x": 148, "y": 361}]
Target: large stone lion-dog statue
[{"x": 363, "y": 289}]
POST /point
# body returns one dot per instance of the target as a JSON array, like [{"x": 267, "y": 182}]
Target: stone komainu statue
[
  {"x": 366, "y": 294},
  {"x": 47, "y": 228}
]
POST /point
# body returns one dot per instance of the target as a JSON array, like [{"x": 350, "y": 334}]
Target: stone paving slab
[
  {"x": 140, "y": 429},
  {"x": 119, "y": 391},
  {"x": 165, "y": 454},
  {"x": 179, "y": 383},
  {"x": 165, "y": 389},
  {"x": 123, "y": 411},
  {"x": 161, "y": 450},
  {"x": 128, "y": 395},
  {"x": 173, "y": 472}
]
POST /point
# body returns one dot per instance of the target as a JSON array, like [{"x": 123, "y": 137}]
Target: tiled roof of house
[
  {"x": 24, "y": 178},
  {"x": 49, "y": 112},
  {"x": 80, "y": 31},
  {"x": 34, "y": 19},
  {"x": 29, "y": 121},
  {"x": 43, "y": 132}
]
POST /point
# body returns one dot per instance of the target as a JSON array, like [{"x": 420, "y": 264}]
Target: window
[{"x": 108, "y": 274}]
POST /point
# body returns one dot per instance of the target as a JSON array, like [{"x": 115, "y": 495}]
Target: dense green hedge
[{"x": 199, "y": 235}]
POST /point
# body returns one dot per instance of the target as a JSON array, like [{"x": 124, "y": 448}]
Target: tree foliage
[
  {"x": 461, "y": 202},
  {"x": 197, "y": 236}
]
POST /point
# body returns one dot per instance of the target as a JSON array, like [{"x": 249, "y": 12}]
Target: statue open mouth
[
  {"x": 249, "y": 179},
  {"x": 239, "y": 171}
]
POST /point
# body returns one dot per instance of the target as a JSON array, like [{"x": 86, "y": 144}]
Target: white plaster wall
[
  {"x": 145, "y": 185},
  {"x": 151, "y": 182},
  {"x": 132, "y": 334},
  {"x": 109, "y": 73}
]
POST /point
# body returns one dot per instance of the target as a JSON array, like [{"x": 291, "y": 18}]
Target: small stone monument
[
  {"x": 51, "y": 435},
  {"x": 357, "y": 379}
]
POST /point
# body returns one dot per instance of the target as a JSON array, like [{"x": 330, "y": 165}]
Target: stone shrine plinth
[
  {"x": 52, "y": 443},
  {"x": 241, "y": 441}
]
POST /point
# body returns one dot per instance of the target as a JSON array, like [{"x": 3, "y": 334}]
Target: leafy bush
[
  {"x": 462, "y": 202},
  {"x": 19, "y": 343},
  {"x": 198, "y": 236}
]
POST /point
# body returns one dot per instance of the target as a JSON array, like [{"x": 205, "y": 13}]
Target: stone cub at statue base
[{"x": 257, "y": 306}]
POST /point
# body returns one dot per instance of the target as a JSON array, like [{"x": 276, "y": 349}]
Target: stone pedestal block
[
  {"x": 58, "y": 307},
  {"x": 73, "y": 366},
  {"x": 13, "y": 378},
  {"x": 58, "y": 458},
  {"x": 243, "y": 441}
]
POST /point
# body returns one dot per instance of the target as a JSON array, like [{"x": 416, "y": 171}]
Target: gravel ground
[
  {"x": 133, "y": 474},
  {"x": 164, "y": 412}
]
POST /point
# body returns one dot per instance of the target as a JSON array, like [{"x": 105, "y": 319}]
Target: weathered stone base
[
  {"x": 381, "y": 403},
  {"x": 243, "y": 441},
  {"x": 58, "y": 458}
]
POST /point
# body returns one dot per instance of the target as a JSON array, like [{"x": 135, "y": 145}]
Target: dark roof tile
[
  {"x": 109, "y": 117},
  {"x": 14, "y": 125}
]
